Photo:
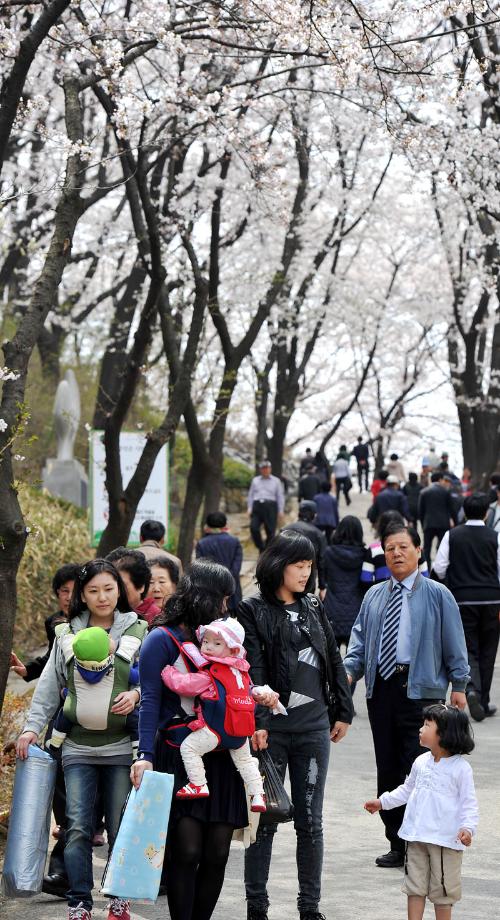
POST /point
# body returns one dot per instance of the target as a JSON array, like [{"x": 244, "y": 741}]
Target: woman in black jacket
[
  {"x": 291, "y": 646},
  {"x": 343, "y": 566}
]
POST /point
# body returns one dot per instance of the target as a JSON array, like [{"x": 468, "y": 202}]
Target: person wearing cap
[
  {"x": 218, "y": 544},
  {"x": 305, "y": 526},
  {"x": 389, "y": 499},
  {"x": 436, "y": 511},
  {"x": 227, "y": 708},
  {"x": 266, "y": 499}
]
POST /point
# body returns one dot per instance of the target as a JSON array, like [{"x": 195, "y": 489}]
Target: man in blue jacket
[
  {"x": 408, "y": 642},
  {"x": 220, "y": 546}
]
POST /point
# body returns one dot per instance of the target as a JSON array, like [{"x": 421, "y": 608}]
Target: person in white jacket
[{"x": 441, "y": 812}]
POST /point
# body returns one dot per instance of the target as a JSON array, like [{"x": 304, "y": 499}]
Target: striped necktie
[{"x": 388, "y": 646}]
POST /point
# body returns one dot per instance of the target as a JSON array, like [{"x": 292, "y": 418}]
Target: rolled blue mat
[
  {"x": 29, "y": 824},
  {"x": 134, "y": 867}
]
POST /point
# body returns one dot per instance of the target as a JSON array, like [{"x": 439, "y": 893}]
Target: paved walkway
[{"x": 353, "y": 887}]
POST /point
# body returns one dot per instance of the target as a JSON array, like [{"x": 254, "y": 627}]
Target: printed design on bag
[
  {"x": 134, "y": 867},
  {"x": 140, "y": 808},
  {"x": 155, "y": 856}
]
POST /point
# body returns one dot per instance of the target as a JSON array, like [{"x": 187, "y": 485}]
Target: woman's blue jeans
[
  {"x": 82, "y": 784},
  {"x": 306, "y": 755}
]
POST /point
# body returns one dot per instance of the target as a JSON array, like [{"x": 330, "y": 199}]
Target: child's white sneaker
[
  {"x": 191, "y": 791},
  {"x": 258, "y": 802}
]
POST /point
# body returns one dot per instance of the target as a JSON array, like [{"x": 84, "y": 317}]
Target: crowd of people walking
[{"x": 412, "y": 623}]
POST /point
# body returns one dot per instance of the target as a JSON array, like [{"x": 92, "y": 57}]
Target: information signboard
[{"x": 154, "y": 502}]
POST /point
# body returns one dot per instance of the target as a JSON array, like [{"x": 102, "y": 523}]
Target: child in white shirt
[{"x": 441, "y": 815}]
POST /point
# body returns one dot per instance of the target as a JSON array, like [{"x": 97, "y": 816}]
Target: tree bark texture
[
  {"x": 13, "y": 87},
  {"x": 17, "y": 354}
]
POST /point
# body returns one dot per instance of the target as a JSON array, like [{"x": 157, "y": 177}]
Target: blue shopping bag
[
  {"x": 29, "y": 824},
  {"x": 134, "y": 867}
]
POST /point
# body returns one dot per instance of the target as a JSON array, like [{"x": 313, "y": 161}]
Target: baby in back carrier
[{"x": 227, "y": 708}]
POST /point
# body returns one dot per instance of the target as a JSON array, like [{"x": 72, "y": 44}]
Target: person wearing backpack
[{"x": 200, "y": 828}]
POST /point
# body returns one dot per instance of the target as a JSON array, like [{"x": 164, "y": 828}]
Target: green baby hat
[{"x": 91, "y": 644}]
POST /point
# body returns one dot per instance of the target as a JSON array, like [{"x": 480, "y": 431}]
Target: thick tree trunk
[
  {"x": 195, "y": 490},
  {"x": 378, "y": 453},
  {"x": 115, "y": 358},
  {"x": 261, "y": 408},
  {"x": 276, "y": 444},
  {"x": 214, "y": 475},
  {"x": 49, "y": 348},
  {"x": 480, "y": 433},
  {"x": 195, "y": 486},
  {"x": 13, "y": 532}
]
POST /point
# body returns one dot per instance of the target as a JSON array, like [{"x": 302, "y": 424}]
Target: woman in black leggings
[{"x": 200, "y": 830}]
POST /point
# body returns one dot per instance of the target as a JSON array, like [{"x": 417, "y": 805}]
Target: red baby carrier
[{"x": 230, "y": 714}]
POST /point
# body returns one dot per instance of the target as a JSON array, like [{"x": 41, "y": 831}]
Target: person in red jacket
[{"x": 136, "y": 576}]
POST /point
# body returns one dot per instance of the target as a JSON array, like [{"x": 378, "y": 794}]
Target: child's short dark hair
[{"x": 453, "y": 727}]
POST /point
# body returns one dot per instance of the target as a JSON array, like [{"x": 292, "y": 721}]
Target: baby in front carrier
[
  {"x": 227, "y": 709},
  {"x": 92, "y": 652}
]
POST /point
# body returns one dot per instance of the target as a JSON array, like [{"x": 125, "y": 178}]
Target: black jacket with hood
[{"x": 344, "y": 589}]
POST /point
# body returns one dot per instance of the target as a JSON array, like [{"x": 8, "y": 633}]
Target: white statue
[{"x": 66, "y": 415}]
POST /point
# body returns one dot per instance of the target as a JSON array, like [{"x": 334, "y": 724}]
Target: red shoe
[
  {"x": 119, "y": 909},
  {"x": 190, "y": 791},
  {"x": 98, "y": 840},
  {"x": 79, "y": 913},
  {"x": 258, "y": 803},
  {"x": 58, "y": 832}
]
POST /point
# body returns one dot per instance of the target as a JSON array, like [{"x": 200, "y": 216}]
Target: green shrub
[
  {"x": 59, "y": 534},
  {"x": 237, "y": 475}
]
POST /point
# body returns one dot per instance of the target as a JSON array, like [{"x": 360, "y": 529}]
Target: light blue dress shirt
[
  {"x": 403, "y": 648},
  {"x": 266, "y": 488}
]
